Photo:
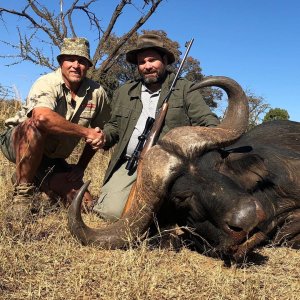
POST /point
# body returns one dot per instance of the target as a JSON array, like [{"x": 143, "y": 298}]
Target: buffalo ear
[{"x": 247, "y": 170}]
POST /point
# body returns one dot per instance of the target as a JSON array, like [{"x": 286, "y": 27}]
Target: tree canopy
[
  {"x": 257, "y": 107},
  {"x": 276, "y": 114}
]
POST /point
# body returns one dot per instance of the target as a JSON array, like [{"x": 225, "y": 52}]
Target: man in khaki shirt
[{"x": 62, "y": 107}]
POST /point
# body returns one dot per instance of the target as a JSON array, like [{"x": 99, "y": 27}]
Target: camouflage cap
[
  {"x": 146, "y": 41},
  {"x": 76, "y": 46}
]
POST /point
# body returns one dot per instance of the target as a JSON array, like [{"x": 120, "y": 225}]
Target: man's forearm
[{"x": 51, "y": 122}]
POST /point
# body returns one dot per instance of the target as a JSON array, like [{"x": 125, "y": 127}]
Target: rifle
[
  {"x": 132, "y": 162},
  {"x": 154, "y": 132}
]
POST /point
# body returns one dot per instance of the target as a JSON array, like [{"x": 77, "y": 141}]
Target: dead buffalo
[{"x": 232, "y": 190}]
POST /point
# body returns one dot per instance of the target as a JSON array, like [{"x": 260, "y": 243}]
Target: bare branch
[
  {"x": 28, "y": 53},
  {"x": 50, "y": 19},
  {"x": 106, "y": 65},
  {"x": 32, "y": 21},
  {"x": 62, "y": 20},
  {"x": 85, "y": 8},
  {"x": 106, "y": 34},
  {"x": 69, "y": 15},
  {"x": 49, "y": 24}
]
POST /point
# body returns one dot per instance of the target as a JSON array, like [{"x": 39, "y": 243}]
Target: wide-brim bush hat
[
  {"x": 147, "y": 41},
  {"x": 76, "y": 46}
]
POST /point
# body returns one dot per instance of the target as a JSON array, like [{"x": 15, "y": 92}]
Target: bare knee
[{"x": 28, "y": 131}]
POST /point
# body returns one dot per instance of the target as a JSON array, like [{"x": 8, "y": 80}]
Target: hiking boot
[{"x": 22, "y": 202}]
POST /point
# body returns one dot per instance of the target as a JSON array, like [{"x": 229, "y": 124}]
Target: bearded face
[{"x": 151, "y": 66}]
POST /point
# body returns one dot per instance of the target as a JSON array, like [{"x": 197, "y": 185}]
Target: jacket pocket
[
  {"x": 176, "y": 115},
  {"x": 122, "y": 114}
]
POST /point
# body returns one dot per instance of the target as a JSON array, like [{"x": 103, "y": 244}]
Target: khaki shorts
[
  {"x": 6, "y": 145},
  {"x": 114, "y": 194}
]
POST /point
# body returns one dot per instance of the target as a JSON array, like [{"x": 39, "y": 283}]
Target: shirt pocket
[{"x": 87, "y": 114}]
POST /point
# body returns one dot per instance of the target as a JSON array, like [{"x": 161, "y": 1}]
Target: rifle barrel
[{"x": 179, "y": 69}]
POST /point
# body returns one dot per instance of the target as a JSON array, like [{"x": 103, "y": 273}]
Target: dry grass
[
  {"x": 45, "y": 262},
  {"x": 7, "y": 109}
]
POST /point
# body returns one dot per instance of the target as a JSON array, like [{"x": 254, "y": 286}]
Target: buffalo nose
[{"x": 245, "y": 216}]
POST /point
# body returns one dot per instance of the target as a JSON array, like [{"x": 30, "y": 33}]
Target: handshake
[{"x": 95, "y": 138}]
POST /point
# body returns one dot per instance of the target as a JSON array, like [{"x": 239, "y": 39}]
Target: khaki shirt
[{"x": 92, "y": 109}]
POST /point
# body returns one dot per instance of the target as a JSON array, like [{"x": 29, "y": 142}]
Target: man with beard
[{"x": 132, "y": 104}]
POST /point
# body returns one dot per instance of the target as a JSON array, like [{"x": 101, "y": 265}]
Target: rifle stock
[{"x": 155, "y": 131}]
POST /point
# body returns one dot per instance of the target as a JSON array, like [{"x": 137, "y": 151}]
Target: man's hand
[{"x": 96, "y": 139}]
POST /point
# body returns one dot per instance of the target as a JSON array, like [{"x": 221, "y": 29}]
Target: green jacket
[{"x": 184, "y": 109}]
